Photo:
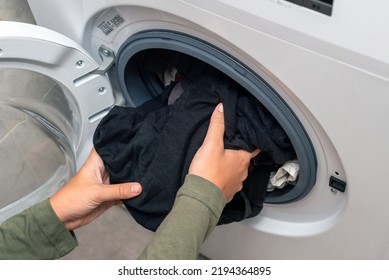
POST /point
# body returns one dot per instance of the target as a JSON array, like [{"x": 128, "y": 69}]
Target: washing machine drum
[{"x": 154, "y": 143}]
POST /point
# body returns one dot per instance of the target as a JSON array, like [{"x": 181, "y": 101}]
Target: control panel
[{"x": 321, "y": 6}]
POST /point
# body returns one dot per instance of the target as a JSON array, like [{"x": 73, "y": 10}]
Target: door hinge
[{"x": 108, "y": 59}]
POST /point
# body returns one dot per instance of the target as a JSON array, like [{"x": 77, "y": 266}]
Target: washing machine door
[{"x": 52, "y": 95}]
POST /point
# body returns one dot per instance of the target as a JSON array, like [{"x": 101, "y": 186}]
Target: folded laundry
[{"x": 154, "y": 143}]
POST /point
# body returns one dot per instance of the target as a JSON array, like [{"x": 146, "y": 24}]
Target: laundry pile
[{"x": 154, "y": 143}]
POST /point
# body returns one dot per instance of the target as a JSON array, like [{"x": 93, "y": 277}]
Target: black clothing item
[{"x": 154, "y": 144}]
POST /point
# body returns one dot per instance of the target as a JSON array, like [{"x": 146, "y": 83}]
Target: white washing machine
[{"x": 321, "y": 67}]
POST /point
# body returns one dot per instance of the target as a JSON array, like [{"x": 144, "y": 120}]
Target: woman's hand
[
  {"x": 88, "y": 194},
  {"x": 227, "y": 169}
]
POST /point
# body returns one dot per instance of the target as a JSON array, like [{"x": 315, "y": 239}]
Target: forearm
[
  {"x": 35, "y": 233},
  {"x": 196, "y": 211}
]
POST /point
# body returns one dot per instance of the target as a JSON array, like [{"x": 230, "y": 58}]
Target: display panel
[{"x": 321, "y": 6}]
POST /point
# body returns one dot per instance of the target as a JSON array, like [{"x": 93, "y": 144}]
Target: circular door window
[{"x": 38, "y": 129}]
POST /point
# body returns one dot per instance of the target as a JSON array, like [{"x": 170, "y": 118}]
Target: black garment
[{"x": 154, "y": 144}]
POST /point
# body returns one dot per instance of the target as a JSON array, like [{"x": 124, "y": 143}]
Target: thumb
[
  {"x": 216, "y": 126},
  {"x": 120, "y": 191}
]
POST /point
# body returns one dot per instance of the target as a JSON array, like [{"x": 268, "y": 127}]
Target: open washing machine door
[{"x": 52, "y": 96}]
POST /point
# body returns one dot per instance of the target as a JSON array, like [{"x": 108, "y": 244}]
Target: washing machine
[{"x": 320, "y": 67}]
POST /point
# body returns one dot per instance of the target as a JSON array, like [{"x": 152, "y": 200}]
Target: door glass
[{"x": 38, "y": 134}]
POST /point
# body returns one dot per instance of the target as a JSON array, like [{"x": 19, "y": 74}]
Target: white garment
[
  {"x": 286, "y": 174},
  {"x": 169, "y": 76}
]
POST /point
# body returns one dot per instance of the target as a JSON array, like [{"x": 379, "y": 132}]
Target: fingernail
[
  {"x": 136, "y": 188},
  {"x": 221, "y": 109}
]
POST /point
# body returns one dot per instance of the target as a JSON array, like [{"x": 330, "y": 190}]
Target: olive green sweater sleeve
[
  {"x": 35, "y": 233},
  {"x": 195, "y": 213}
]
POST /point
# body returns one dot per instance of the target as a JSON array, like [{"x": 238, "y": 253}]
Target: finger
[
  {"x": 119, "y": 191},
  {"x": 255, "y": 153},
  {"x": 95, "y": 164},
  {"x": 216, "y": 126},
  {"x": 93, "y": 158}
]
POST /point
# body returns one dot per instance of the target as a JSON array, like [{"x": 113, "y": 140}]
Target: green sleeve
[
  {"x": 35, "y": 233},
  {"x": 195, "y": 213}
]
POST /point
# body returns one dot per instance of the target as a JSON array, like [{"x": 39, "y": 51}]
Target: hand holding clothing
[
  {"x": 88, "y": 194},
  {"x": 215, "y": 175},
  {"x": 225, "y": 168},
  {"x": 44, "y": 231}
]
